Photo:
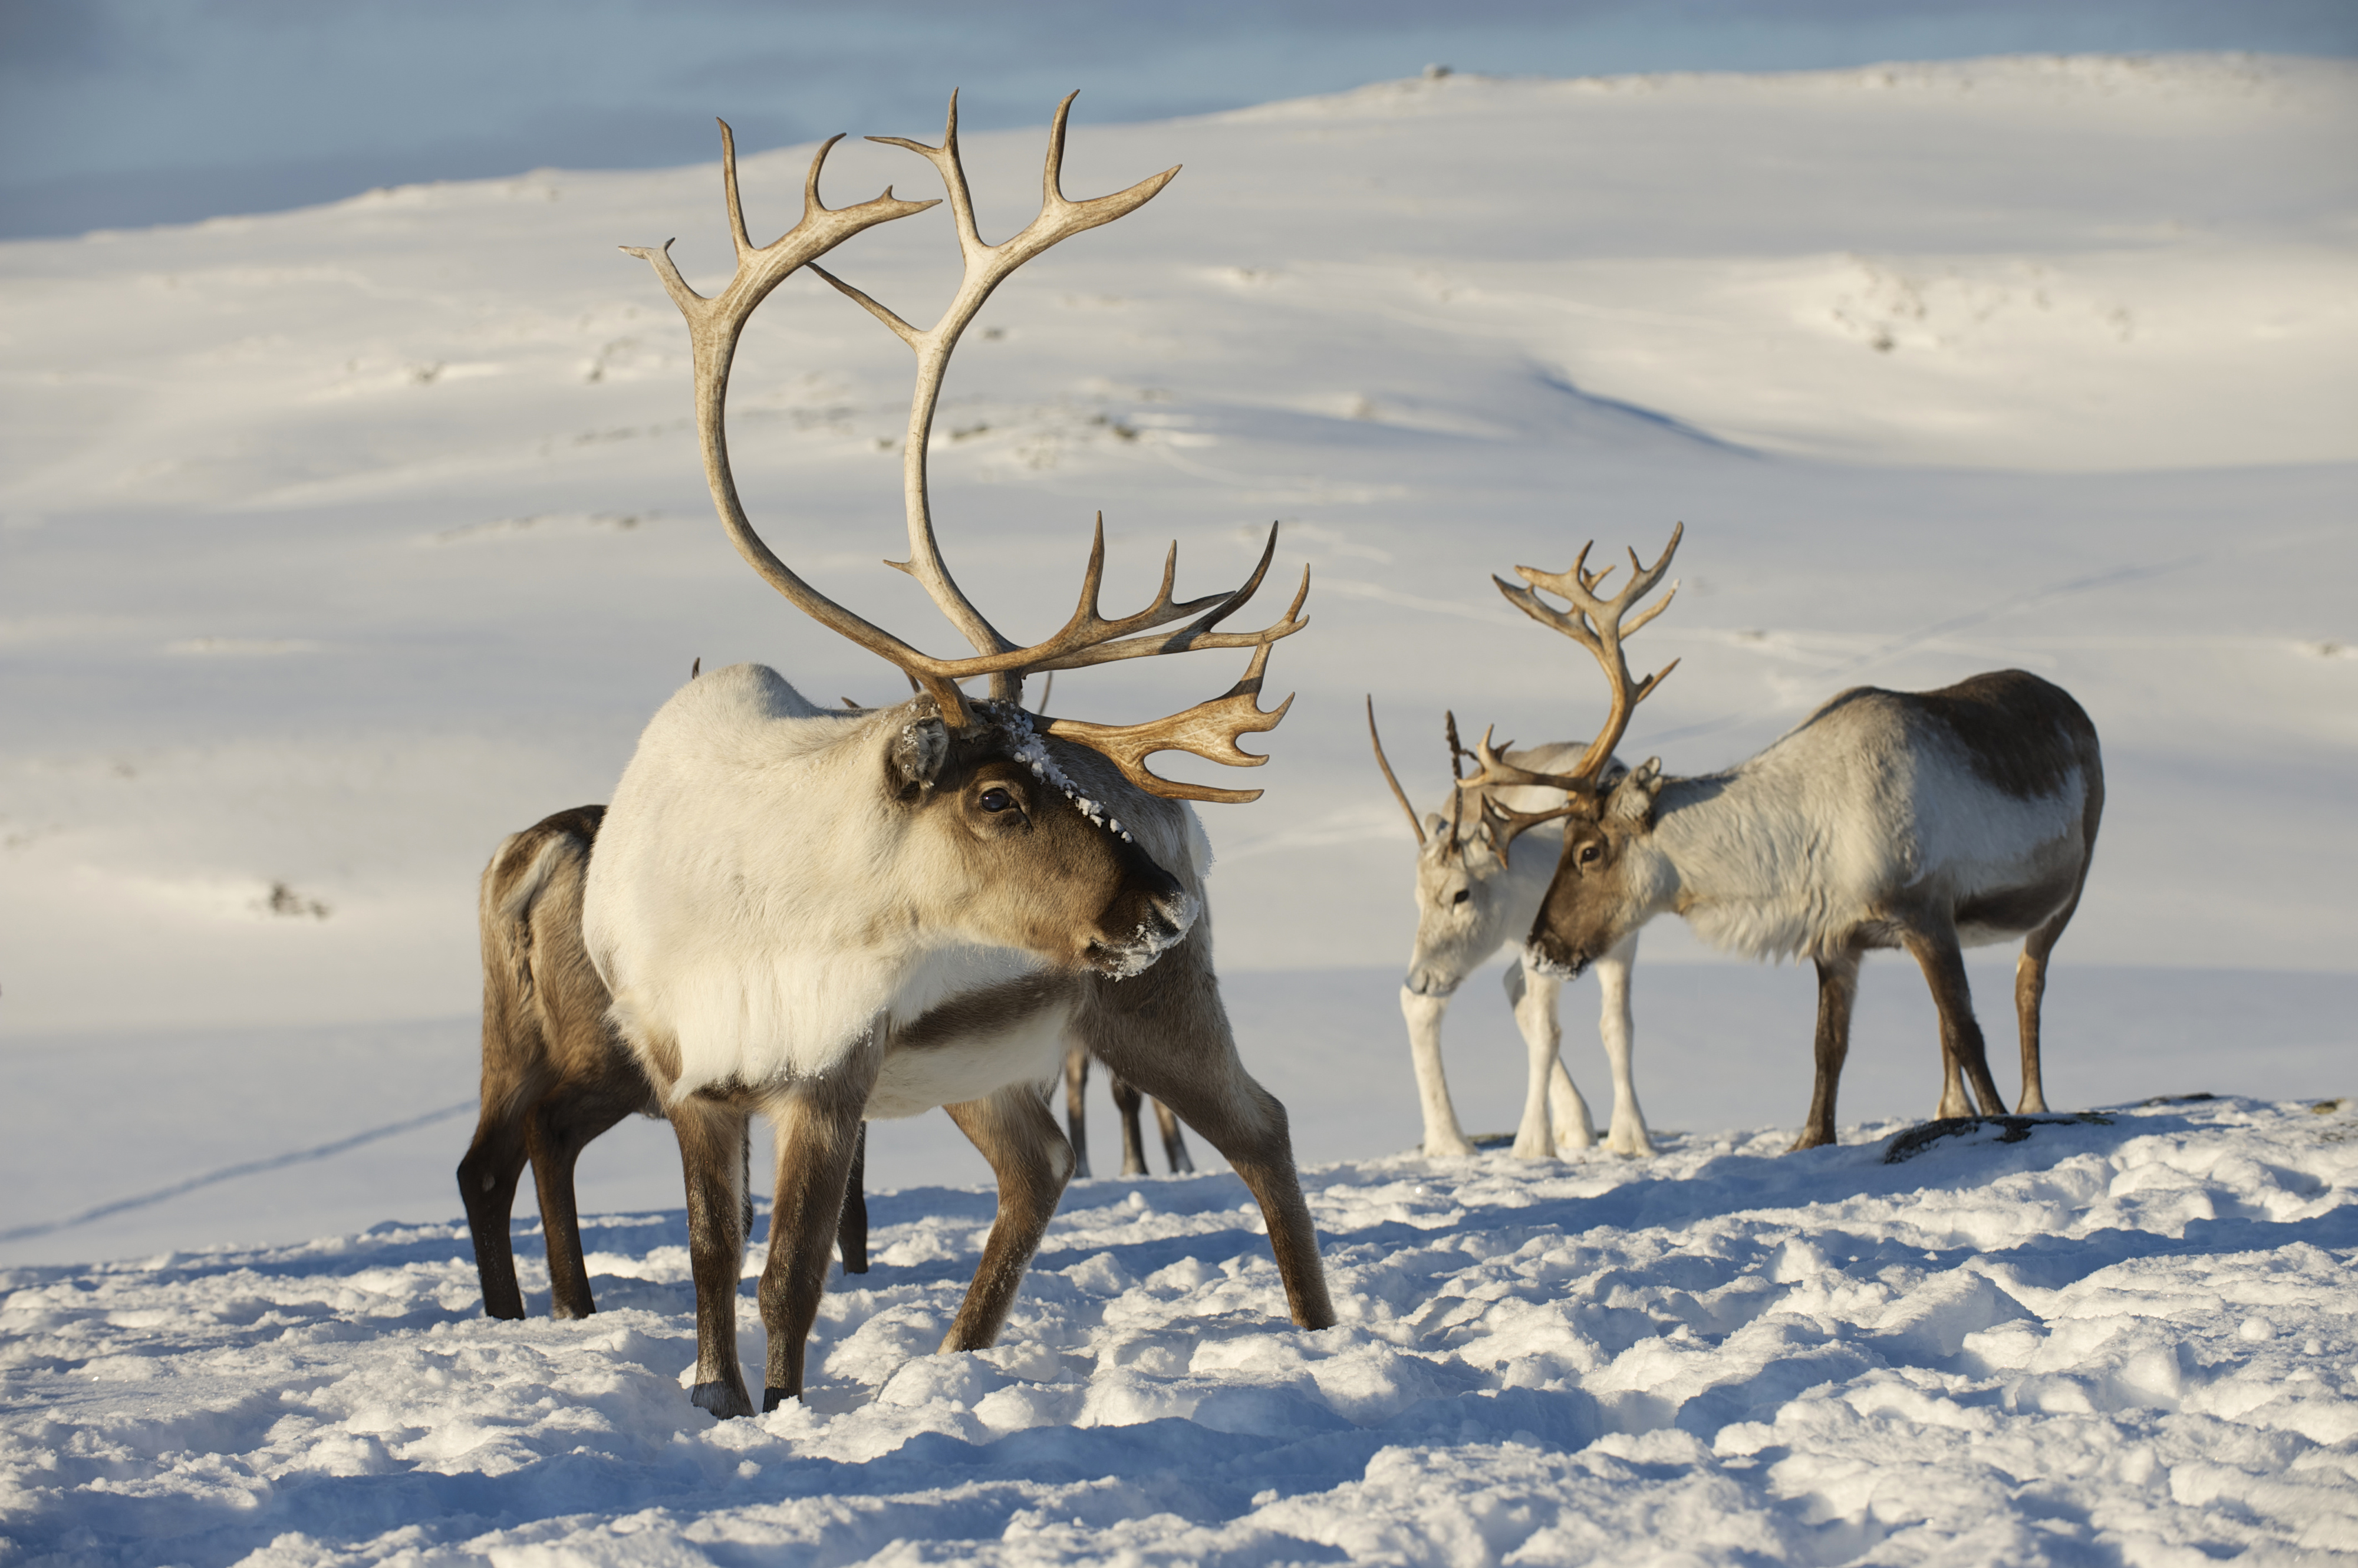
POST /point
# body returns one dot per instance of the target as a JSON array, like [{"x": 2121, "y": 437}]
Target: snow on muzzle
[{"x": 1157, "y": 923}]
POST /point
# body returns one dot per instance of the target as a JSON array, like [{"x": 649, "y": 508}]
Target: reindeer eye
[
  {"x": 1463, "y": 894},
  {"x": 1591, "y": 853},
  {"x": 997, "y": 800}
]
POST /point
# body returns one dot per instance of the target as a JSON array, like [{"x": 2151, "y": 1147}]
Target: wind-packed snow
[{"x": 336, "y": 545}]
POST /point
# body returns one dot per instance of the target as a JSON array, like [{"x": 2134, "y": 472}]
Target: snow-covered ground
[
  {"x": 336, "y": 543},
  {"x": 2127, "y": 1338}
]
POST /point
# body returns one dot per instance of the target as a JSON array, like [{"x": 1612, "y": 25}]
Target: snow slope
[{"x": 2127, "y": 1338}]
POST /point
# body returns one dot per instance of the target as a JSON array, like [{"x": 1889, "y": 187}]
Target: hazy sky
[{"x": 120, "y": 113}]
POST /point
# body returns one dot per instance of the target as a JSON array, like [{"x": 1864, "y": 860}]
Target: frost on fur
[{"x": 1032, "y": 753}]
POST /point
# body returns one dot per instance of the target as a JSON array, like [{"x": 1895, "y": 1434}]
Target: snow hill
[{"x": 336, "y": 543}]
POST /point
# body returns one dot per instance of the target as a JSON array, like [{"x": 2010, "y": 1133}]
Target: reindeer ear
[
  {"x": 1632, "y": 800},
  {"x": 913, "y": 758}
]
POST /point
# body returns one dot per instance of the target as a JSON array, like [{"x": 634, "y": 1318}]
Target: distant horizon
[{"x": 127, "y": 113}]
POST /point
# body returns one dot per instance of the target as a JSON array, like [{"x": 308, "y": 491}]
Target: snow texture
[{"x": 2128, "y": 1340}]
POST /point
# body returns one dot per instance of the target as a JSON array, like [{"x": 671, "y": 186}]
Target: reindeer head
[
  {"x": 1468, "y": 886},
  {"x": 999, "y": 808},
  {"x": 1605, "y": 880},
  {"x": 1014, "y": 837},
  {"x": 1609, "y": 879}
]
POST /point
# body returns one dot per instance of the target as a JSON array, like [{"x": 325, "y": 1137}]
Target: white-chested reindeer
[
  {"x": 1473, "y": 898},
  {"x": 821, "y": 916},
  {"x": 1925, "y": 821}
]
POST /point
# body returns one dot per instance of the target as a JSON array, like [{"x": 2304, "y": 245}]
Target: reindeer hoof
[
  {"x": 723, "y": 1400},
  {"x": 772, "y": 1397}
]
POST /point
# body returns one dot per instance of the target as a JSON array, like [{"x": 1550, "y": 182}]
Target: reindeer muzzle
[{"x": 1162, "y": 922}]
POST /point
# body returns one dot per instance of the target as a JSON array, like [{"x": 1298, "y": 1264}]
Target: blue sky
[{"x": 123, "y": 113}]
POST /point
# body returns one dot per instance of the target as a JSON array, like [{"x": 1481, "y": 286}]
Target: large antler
[
  {"x": 713, "y": 328},
  {"x": 1208, "y": 730},
  {"x": 1595, "y": 625}
]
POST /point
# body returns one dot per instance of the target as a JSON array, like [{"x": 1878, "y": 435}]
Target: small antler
[
  {"x": 1384, "y": 762},
  {"x": 1595, "y": 625}
]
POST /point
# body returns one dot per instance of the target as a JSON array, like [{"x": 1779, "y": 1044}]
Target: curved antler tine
[
  {"x": 811, "y": 203},
  {"x": 1252, "y": 586},
  {"x": 1092, "y": 575},
  {"x": 1449, "y": 730},
  {"x": 1052, "y": 173},
  {"x": 659, "y": 257},
  {"x": 1650, "y": 612},
  {"x": 728, "y": 190},
  {"x": 1389, "y": 777}
]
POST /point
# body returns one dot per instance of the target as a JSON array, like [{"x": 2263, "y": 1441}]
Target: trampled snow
[
  {"x": 2125, "y": 1338},
  {"x": 337, "y": 543}
]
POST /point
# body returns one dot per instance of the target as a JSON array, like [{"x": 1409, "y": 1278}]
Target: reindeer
[
  {"x": 1471, "y": 900},
  {"x": 557, "y": 1075},
  {"x": 1925, "y": 821},
  {"x": 824, "y": 916}
]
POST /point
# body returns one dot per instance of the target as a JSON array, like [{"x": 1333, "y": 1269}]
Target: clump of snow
[
  {"x": 2129, "y": 1340},
  {"x": 1032, "y": 753}
]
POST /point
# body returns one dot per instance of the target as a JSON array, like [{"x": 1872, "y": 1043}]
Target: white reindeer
[
  {"x": 1472, "y": 898},
  {"x": 1925, "y": 821},
  {"x": 824, "y": 916}
]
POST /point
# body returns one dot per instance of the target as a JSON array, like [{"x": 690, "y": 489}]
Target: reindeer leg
[
  {"x": 2030, "y": 973},
  {"x": 1174, "y": 1142},
  {"x": 1617, "y": 1027},
  {"x": 1127, "y": 1102},
  {"x": 1076, "y": 1106},
  {"x": 1032, "y": 1161},
  {"x": 1936, "y": 952},
  {"x": 560, "y": 1126},
  {"x": 1837, "y": 990},
  {"x": 1534, "y": 995},
  {"x": 1443, "y": 1139},
  {"x": 1166, "y": 1031},
  {"x": 487, "y": 1184},
  {"x": 818, "y": 1125},
  {"x": 712, "y": 1159},
  {"x": 2029, "y": 994},
  {"x": 851, "y": 1230}
]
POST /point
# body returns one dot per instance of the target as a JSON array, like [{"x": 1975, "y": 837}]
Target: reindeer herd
[{"x": 824, "y": 915}]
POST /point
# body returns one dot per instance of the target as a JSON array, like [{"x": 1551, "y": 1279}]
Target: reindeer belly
[{"x": 976, "y": 1045}]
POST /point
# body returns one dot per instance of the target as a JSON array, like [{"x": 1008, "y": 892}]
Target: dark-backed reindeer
[
  {"x": 1924, "y": 821},
  {"x": 822, "y": 917},
  {"x": 1472, "y": 898}
]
